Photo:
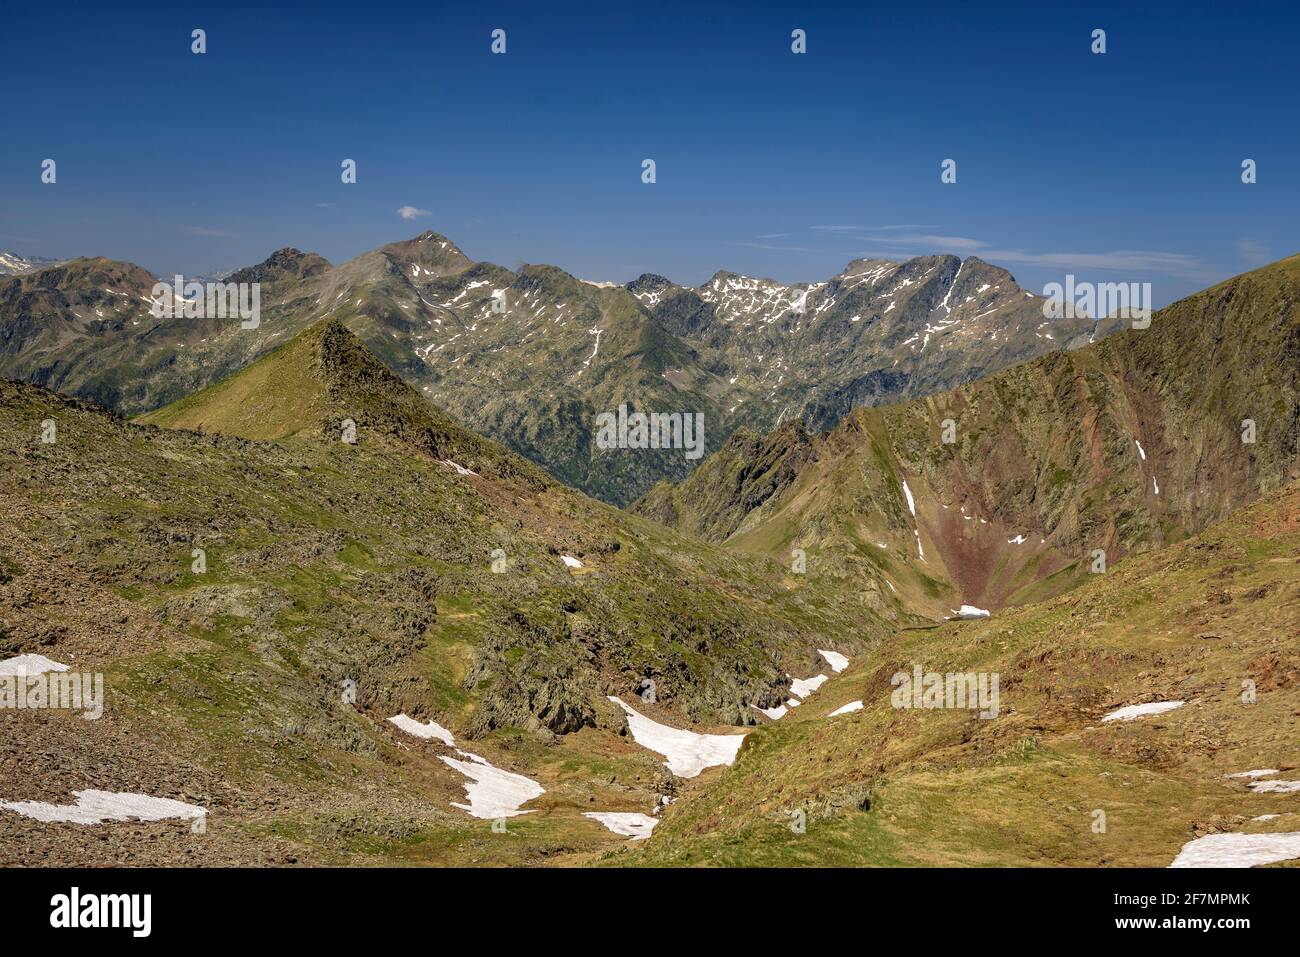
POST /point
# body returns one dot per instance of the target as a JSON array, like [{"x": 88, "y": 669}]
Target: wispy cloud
[
  {"x": 205, "y": 231},
  {"x": 773, "y": 246},
  {"x": 1118, "y": 260},
  {"x": 327, "y": 206},
  {"x": 869, "y": 229},
  {"x": 952, "y": 244},
  {"x": 893, "y": 241},
  {"x": 412, "y": 212}
]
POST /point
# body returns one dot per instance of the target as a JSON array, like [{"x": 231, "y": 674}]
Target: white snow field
[
  {"x": 492, "y": 793},
  {"x": 1140, "y": 710},
  {"x": 970, "y": 611},
  {"x": 1238, "y": 850},
  {"x": 836, "y": 660},
  {"x": 911, "y": 502},
  {"x": 851, "y": 706},
  {"x": 1275, "y": 787},
  {"x": 431, "y": 729},
  {"x": 571, "y": 561},
  {"x": 803, "y": 687},
  {"x": 629, "y": 824},
  {"x": 96, "y": 807},
  {"x": 688, "y": 752},
  {"x": 29, "y": 666}
]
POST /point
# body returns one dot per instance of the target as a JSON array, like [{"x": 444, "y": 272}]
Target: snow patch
[
  {"x": 970, "y": 611},
  {"x": 29, "y": 665},
  {"x": 460, "y": 469},
  {"x": 1238, "y": 850},
  {"x": 629, "y": 824},
  {"x": 1139, "y": 710},
  {"x": 803, "y": 687},
  {"x": 493, "y": 793},
  {"x": 96, "y": 807},
  {"x": 688, "y": 752},
  {"x": 570, "y": 561},
  {"x": 428, "y": 731},
  {"x": 836, "y": 660},
  {"x": 851, "y": 706},
  {"x": 911, "y": 502}
]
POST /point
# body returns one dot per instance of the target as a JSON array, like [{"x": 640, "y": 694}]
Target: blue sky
[{"x": 1124, "y": 166}]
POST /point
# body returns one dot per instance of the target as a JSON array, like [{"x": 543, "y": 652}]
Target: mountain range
[
  {"x": 1001, "y": 490},
  {"x": 531, "y": 356},
  {"x": 311, "y": 588},
  {"x": 12, "y": 264}
]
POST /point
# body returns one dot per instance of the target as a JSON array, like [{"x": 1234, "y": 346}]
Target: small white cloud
[{"x": 412, "y": 212}]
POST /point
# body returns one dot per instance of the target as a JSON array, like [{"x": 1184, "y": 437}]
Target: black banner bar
[{"x": 338, "y": 907}]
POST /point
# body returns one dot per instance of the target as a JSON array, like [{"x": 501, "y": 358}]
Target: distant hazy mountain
[
  {"x": 532, "y": 356},
  {"x": 12, "y": 264}
]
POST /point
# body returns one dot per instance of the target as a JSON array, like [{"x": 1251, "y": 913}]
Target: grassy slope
[
  {"x": 273, "y": 399},
  {"x": 327, "y": 561},
  {"x": 1191, "y": 621},
  {"x": 1047, "y": 450}
]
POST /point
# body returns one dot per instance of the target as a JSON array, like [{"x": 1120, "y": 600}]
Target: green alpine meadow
[{"x": 339, "y": 627}]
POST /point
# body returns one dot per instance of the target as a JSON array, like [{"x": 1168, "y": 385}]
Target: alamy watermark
[
  {"x": 211, "y": 300},
  {"x": 54, "y": 690},
  {"x": 959, "y": 690},
  {"x": 75, "y": 909},
  {"x": 1089, "y": 300},
  {"x": 651, "y": 430}
]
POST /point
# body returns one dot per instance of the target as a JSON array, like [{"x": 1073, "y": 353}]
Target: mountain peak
[
  {"x": 866, "y": 264},
  {"x": 286, "y": 263},
  {"x": 428, "y": 254},
  {"x": 723, "y": 276},
  {"x": 319, "y": 381},
  {"x": 648, "y": 282}
]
